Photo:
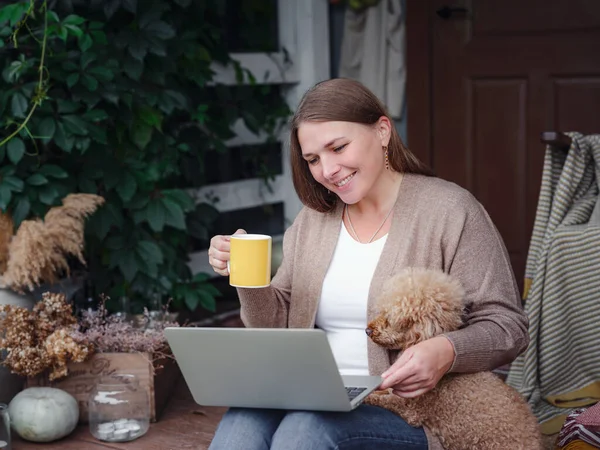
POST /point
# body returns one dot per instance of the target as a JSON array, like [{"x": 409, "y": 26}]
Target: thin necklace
[{"x": 376, "y": 231}]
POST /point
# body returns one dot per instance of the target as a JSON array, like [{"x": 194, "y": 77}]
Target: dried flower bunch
[
  {"x": 49, "y": 337},
  {"x": 46, "y": 338},
  {"x": 38, "y": 252},
  {"x": 111, "y": 333}
]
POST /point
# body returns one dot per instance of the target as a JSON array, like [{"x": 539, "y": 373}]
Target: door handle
[{"x": 446, "y": 12}]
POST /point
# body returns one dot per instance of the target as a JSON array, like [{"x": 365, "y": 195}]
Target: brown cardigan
[{"x": 436, "y": 224}]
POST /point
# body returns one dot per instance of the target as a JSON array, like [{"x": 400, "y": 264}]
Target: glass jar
[
  {"x": 4, "y": 427},
  {"x": 119, "y": 409}
]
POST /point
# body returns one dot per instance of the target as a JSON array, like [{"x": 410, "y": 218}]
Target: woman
[{"x": 371, "y": 209}]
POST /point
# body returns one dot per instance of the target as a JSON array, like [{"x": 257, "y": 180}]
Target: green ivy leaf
[
  {"x": 149, "y": 251},
  {"x": 127, "y": 187},
  {"x": 5, "y": 196},
  {"x": 48, "y": 195},
  {"x": 102, "y": 73},
  {"x": 133, "y": 68},
  {"x": 96, "y": 115},
  {"x": 89, "y": 82},
  {"x": 141, "y": 134},
  {"x": 156, "y": 214},
  {"x": 72, "y": 79},
  {"x": 99, "y": 37},
  {"x": 147, "y": 267},
  {"x": 21, "y": 210},
  {"x": 53, "y": 16},
  {"x": 75, "y": 125},
  {"x": 128, "y": 265},
  {"x": 97, "y": 133},
  {"x": 6, "y": 171},
  {"x": 82, "y": 144},
  {"x": 207, "y": 301},
  {"x": 151, "y": 116},
  {"x": 85, "y": 42},
  {"x": 73, "y": 19},
  {"x": 180, "y": 197},
  {"x": 200, "y": 277},
  {"x": 51, "y": 170},
  {"x": 160, "y": 29},
  {"x": 66, "y": 107},
  {"x": 46, "y": 129},
  {"x": 88, "y": 58},
  {"x": 104, "y": 219},
  {"x": 14, "y": 184},
  {"x": 191, "y": 299},
  {"x": 18, "y": 105},
  {"x": 73, "y": 30},
  {"x": 138, "y": 201},
  {"x": 2, "y": 153},
  {"x": 13, "y": 13},
  {"x": 15, "y": 149},
  {"x": 63, "y": 33},
  {"x": 174, "y": 216},
  {"x": 64, "y": 140},
  {"x": 37, "y": 179}
]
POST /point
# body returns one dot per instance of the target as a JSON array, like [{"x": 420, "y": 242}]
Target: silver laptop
[{"x": 265, "y": 368}]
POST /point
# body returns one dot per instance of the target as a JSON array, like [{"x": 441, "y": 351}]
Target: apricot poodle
[{"x": 475, "y": 411}]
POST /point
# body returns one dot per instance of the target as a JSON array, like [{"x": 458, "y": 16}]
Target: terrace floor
[{"x": 183, "y": 425}]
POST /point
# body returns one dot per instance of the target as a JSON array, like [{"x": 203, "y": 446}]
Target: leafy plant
[{"x": 117, "y": 98}]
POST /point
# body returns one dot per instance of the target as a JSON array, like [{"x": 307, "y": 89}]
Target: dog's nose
[{"x": 369, "y": 331}]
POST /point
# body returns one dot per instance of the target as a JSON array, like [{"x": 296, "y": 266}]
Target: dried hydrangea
[{"x": 44, "y": 339}]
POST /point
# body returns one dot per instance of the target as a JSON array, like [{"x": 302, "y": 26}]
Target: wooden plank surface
[{"x": 184, "y": 425}]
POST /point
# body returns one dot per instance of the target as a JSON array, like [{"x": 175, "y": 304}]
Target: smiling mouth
[{"x": 345, "y": 180}]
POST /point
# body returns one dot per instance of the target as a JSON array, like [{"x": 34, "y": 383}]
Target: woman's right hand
[{"x": 218, "y": 253}]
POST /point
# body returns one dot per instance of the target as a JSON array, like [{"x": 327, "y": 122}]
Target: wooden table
[{"x": 183, "y": 425}]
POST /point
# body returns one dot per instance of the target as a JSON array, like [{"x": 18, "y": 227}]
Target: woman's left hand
[{"x": 419, "y": 368}]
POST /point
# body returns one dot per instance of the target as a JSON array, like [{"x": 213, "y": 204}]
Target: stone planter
[{"x": 11, "y": 384}]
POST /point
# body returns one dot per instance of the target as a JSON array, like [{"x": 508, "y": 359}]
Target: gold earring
[{"x": 387, "y": 160}]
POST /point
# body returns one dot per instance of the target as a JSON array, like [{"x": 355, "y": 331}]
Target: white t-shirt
[{"x": 342, "y": 311}]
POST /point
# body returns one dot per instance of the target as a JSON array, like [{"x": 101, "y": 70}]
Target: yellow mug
[{"x": 250, "y": 260}]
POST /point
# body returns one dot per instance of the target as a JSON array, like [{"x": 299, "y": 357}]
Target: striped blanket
[{"x": 560, "y": 370}]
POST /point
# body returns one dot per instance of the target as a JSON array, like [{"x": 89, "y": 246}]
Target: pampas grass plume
[{"x": 38, "y": 252}]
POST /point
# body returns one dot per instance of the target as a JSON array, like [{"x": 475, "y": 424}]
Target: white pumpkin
[{"x": 43, "y": 414}]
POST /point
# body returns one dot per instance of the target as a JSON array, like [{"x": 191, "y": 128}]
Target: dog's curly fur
[{"x": 465, "y": 411}]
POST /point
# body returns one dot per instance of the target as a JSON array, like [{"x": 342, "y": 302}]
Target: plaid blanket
[{"x": 573, "y": 430}]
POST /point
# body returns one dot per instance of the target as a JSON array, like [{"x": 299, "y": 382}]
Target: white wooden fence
[{"x": 302, "y": 61}]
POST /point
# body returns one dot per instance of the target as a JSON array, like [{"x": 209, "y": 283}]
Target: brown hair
[{"x": 343, "y": 100}]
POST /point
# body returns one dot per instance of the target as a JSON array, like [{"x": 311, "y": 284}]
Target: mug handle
[{"x": 228, "y": 268}]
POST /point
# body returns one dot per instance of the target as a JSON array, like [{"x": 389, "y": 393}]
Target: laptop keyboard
[{"x": 354, "y": 392}]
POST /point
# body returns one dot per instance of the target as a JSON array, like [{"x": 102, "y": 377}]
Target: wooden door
[{"x": 485, "y": 78}]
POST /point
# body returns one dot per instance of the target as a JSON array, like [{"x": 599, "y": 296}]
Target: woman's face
[{"x": 345, "y": 157}]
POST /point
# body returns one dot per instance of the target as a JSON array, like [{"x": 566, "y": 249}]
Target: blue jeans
[{"x": 365, "y": 428}]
